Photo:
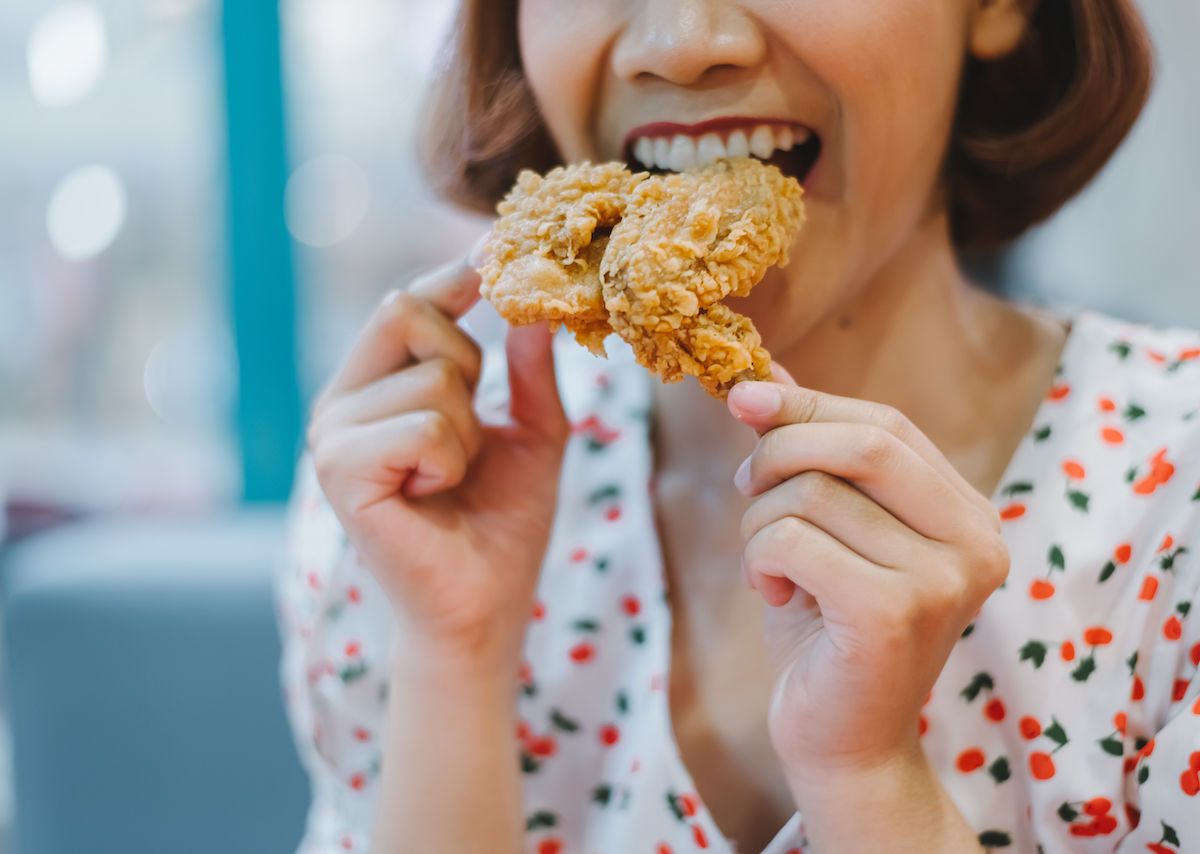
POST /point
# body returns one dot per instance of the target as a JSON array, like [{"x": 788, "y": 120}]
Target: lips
[{"x": 668, "y": 146}]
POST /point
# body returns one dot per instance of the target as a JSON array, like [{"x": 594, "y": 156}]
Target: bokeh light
[
  {"x": 67, "y": 53},
  {"x": 327, "y": 199},
  {"x": 86, "y": 212}
]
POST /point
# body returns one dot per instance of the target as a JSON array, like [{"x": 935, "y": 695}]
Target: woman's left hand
[{"x": 875, "y": 554}]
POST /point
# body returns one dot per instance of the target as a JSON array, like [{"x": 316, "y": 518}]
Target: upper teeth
[{"x": 680, "y": 152}]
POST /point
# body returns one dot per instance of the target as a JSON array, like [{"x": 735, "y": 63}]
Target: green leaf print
[
  {"x": 586, "y": 626},
  {"x": 1131, "y": 662},
  {"x": 995, "y": 839},
  {"x": 528, "y": 763},
  {"x": 977, "y": 684},
  {"x": 1000, "y": 770},
  {"x": 1169, "y": 836},
  {"x": 1133, "y": 412},
  {"x": 1107, "y": 571},
  {"x": 1056, "y": 558},
  {"x": 1085, "y": 668},
  {"x": 622, "y": 702},
  {"x": 541, "y": 818},
  {"x": 1056, "y": 733},
  {"x": 1042, "y": 434},
  {"x": 673, "y": 803},
  {"x": 602, "y": 794},
  {"x": 1020, "y": 487},
  {"x": 604, "y": 493},
  {"x": 1112, "y": 746},
  {"x": 1196, "y": 494},
  {"x": 1078, "y": 499},
  {"x": 1143, "y": 774},
  {"x": 1067, "y": 812},
  {"x": 1121, "y": 348},
  {"x": 1034, "y": 651},
  {"x": 562, "y": 721}
]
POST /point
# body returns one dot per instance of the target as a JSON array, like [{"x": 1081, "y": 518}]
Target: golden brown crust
[{"x": 679, "y": 244}]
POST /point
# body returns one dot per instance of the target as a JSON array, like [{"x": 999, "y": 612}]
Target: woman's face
[{"x": 872, "y": 84}]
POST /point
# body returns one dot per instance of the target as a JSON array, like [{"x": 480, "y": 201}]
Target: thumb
[{"x": 534, "y": 403}]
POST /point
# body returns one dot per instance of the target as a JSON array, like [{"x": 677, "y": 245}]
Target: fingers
[
  {"x": 791, "y": 551},
  {"x": 534, "y": 402},
  {"x": 873, "y": 460},
  {"x": 437, "y": 384},
  {"x": 765, "y": 406},
  {"x": 413, "y": 325},
  {"x": 361, "y": 464},
  {"x": 840, "y": 510}
]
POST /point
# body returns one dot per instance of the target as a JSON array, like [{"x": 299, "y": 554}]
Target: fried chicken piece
[
  {"x": 686, "y": 241},
  {"x": 546, "y": 248},
  {"x": 600, "y": 249}
]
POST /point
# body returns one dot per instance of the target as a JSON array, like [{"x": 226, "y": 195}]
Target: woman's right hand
[{"x": 451, "y": 516}]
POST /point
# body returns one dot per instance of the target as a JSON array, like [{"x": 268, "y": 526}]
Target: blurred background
[{"x": 200, "y": 202}]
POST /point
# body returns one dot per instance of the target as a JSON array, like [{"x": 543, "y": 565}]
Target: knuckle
[
  {"x": 433, "y": 428},
  {"x": 445, "y": 378},
  {"x": 875, "y": 448},
  {"x": 474, "y": 360},
  {"x": 894, "y": 422},
  {"x": 813, "y": 489},
  {"x": 400, "y": 303}
]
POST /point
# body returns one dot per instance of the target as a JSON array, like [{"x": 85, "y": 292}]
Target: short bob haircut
[{"x": 1032, "y": 128}]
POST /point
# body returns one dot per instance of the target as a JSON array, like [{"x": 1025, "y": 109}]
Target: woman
[{"x": 568, "y": 572}]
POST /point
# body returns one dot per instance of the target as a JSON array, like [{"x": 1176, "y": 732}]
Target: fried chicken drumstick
[{"x": 650, "y": 257}]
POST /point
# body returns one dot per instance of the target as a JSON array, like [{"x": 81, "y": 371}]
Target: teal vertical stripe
[{"x": 262, "y": 296}]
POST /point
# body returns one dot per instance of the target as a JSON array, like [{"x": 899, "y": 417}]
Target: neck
[{"x": 966, "y": 368}]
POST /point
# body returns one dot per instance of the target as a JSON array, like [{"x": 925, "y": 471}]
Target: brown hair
[{"x": 1033, "y": 128}]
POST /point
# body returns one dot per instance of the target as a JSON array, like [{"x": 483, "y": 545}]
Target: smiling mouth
[{"x": 671, "y": 147}]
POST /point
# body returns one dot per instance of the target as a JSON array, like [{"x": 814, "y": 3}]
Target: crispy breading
[{"x": 601, "y": 249}]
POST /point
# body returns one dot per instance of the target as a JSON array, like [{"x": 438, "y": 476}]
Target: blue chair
[{"x": 143, "y": 682}]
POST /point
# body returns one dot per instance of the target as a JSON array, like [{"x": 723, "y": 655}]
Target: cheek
[
  {"x": 896, "y": 69},
  {"x": 563, "y": 44}
]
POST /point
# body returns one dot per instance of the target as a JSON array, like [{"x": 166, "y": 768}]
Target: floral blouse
[{"x": 1066, "y": 719}]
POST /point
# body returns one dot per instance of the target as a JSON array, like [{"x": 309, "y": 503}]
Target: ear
[{"x": 998, "y": 26}]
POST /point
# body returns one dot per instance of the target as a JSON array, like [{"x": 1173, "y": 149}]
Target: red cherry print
[
  {"x": 1082, "y": 830},
  {"x": 994, "y": 710},
  {"x": 361, "y": 734},
  {"x": 1041, "y": 589},
  {"x": 1145, "y": 486},
  {"x": 1172, "y": 628},
  {"x": 663, "y": 848},
  {"x": 1104, "y": 824},
  {"x": 1149, "y": 588},
  {"x": 1097, "y": 806},
  {"x": 1189, "y": 781},
  {"x": 609, "y": 735},
  {"x": 689, "y": 804},
  {"x": 542, "y": 745},
  {"x": 1195, "y": 655},
  {"x": 314, "y": 581},
  {"x": 354, "y": 595},
  {"x": 549, "y": 846},
  {"x": 699, "y": 837},
  {"x": 1186, "y": 355},
  {"x": 1013, "y": 511},
  {"x": 357, "y": 782},
  {"x": 1067, "y": 651},
  {"x": 1120, "y": 721},
  {"x": 1139, "y": 689},
  {"x": 347, "y": 843},
  {"x": 582, "y": 652},
  {"x": 1106, "y": 404},
  {"x": 353, "y": 648},
  {"x": 1059, "y": 392},
  {"x": 1179, "y": 690},
  {"x": 1074, "y": 470},
  {"x": 1147, "y": 748},
  {"x": 1167, "y": 542},
  {"x": 969, "y": 760},
  {"x": 1122, "y": 553},
  {"x": 1030, "y": 728},
  {"x": 1194, "y": 761},
  {"x": 578, "y": 555},
  {"x": 613, "y": 513},
  {"x": 539, "y": 610},
  {"x": 1155, "y": 356},
  {"x": 1134, "y": 815},
  {"x": 922, "y": 725},
  {"x": 1041, "y": 765},
  {"x": 1196, "y": 707},
  {"x": 522, "y": 730},
  {"x": 1112, "y": 435},
  {"x": 1097, "y": 636},
  {"x": 1159, "y": 848},
  {"x": 524, "y": 673},
  {"x": 631, "y": 606}
]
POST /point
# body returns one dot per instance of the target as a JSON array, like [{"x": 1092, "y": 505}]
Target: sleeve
[
  {"x": 1164, "y": 781},
  {"x": 336, "y": 630}
]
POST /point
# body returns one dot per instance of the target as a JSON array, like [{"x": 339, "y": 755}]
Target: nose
[{"x": 680, "y": 41}]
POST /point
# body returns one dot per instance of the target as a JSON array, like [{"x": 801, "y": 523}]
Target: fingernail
[
  {"x": 741, "y": 478},
  {"x": 756, "y": 399},
  {"x": 390, "y": 296},
  {"x": 479, "y": 253}
]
